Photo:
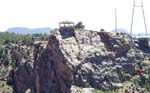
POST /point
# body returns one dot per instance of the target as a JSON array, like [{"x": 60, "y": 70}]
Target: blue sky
[{"x": 95, "y": 14}]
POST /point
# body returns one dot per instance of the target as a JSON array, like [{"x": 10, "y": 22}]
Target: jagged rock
[
  {"x": 83, "y": 58},
  {"x": 38, "y": 46},
  {"x": 144, "y": 44},
  {"x": 107, "y": 39},
  {"x": 51, "y": 73},
  {"x": 21, "y": 78},
  {"x": 122, "y": 50},
  {"x": 20, "y": 73},
  {"x": 93, "y": 57},
  {"x": 16, "y": 57}
]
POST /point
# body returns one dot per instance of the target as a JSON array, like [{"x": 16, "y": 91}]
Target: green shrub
[
  {"x": 147, "y": 86},
  {"x": 79, "y": 25},
  {"x": 110, "y": 91},
  {"x": 99, "y": 91}
]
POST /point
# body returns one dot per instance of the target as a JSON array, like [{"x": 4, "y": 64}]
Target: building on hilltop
[
  {"x": 66, "y": 29},
  {"x": 66, "y": 24}
]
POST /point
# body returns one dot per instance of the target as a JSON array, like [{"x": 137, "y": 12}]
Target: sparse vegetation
[
  {"x": 20, "y": 43},
  {"x": 131, "y": 51},
  {"x": 23, "y": 45},
  {"x": 101, "y": 91},
  {"x": 79, "y": 25}
]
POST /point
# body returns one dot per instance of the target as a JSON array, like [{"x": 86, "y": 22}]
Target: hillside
[
  {"x": 77, "y": 61},
  {"x": 104, "y": 60}
]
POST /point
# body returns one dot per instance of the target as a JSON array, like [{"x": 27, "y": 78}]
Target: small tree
[
  {"x": 79, "y": 25},
  {"x": 102, "y": 30}
]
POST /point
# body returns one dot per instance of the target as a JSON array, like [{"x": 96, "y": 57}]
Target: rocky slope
[
  {"x": 49, "y": 73},
  {"x": 86, "y": 60},
  {"x": 103, "y": 60}
]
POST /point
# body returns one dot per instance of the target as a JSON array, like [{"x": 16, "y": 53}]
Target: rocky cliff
[
  {"x": 95, "y": 59},
  {"x": 83, "y": 58},
  {"x": 49, "y": 74},
  {"x": 103, "y": 60}
]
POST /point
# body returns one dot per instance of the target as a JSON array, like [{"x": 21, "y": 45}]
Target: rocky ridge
[
  {"x": 49, "y": 73},
  {"x": 84, "y": 58},
  {"x": 102, "y": 60}
]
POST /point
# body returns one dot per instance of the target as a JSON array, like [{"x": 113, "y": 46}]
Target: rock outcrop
[
  {"x": 50, "y": 74},
  {"x": 20, "y": 73},
  {"x": 21, "y": 78},
  {"x": 101, "y": 60},
  {"x": 144, "y": 44}
]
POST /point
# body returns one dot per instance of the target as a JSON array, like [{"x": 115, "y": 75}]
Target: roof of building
[{"x": 66, "y": 22}]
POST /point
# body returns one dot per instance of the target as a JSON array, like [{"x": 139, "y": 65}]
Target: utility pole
[
  {"x": 144, "y": 18},
  {"x": 116, "y": 19},
  {"x": 135, "y": 6}
]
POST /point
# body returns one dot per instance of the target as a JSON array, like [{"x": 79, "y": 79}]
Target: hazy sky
[{"x": 95, "y": 14}]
